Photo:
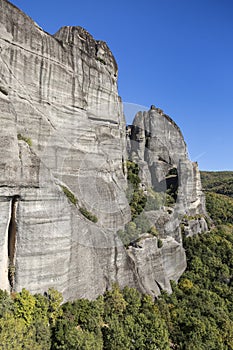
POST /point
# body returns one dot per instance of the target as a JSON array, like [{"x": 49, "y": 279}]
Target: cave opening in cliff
[
  {"x": 12, "y": 229},
  {"x": 172, "y": 183}
]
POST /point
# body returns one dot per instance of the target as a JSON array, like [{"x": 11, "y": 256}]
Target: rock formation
[
  {"x": 157, "y": 145},
  {"x": 63, "y": 177}
]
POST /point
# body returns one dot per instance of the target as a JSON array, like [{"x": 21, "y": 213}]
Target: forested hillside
[
  {"x": 218, "y": 187},
  {"x": 218, "y": 181},
  {"x": 198, "y": 315}
]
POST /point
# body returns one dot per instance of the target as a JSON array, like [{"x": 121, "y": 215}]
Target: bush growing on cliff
[
  {"x": 154, "y": 200},
  {"x": 133, "y": 174},
  {"x": 135, "y": 228},
  {"x": 88, "y": 215},
  {"x": 139, "y": 202},
  {"x": 136, "y": 197},
  {"x": 69, "y": 195},
  {"x": 25, "y": 139}
]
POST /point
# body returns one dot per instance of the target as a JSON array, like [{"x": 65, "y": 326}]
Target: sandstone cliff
[{"x": 63, "y": 177}]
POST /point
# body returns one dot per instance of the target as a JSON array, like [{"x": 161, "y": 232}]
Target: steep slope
[{"x": 63, "y": 181}]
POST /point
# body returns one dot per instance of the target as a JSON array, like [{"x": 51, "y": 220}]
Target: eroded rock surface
[
  {"x": 156, "y": 143},
  {"x": 61, "y": 125},
  {"x": 62, "y": 136}
]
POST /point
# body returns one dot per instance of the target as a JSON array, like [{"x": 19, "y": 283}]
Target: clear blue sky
[{"x": 175, "y": 54}]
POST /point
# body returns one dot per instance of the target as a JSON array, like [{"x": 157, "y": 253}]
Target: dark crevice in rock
[
  {"x": 147, "y": 144},
  {"x": 115, "y": 262},
  {"x": 159, "y": 286},
  {"x": 172, "y": 183},
  {"x": 123, "y": 165},
  {"x": 12, "y": 229},
  {"x": 3, "y": 90},
  {"x": 162, "y": 160}
]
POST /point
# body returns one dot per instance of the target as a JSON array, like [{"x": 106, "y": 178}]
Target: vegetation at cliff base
[
  {"x": 27, "y": 321},
  {"x": 117, "y": 320}
]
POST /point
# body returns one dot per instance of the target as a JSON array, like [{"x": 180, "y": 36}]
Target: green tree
[
  {"x": 6, "y": 303},
  {"x": 41, "y": 321},
  {"x": 114, "y": 301},
  {"x": 16, "y": 335},
  {"x": 55, "y": 299},
  {"x": 24, "y": 306},
  {"x": 68, "y": 335}
]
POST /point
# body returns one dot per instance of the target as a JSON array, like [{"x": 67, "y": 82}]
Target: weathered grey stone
[
  {"x": 194, "y": 226},
  {"x": 61, "y": 93},
  {"x": 156, "y": 143},
  {"x": 156, "y": 267},
  {"x": 63, "y": 129},
  {"x": 158, "y": 146}
]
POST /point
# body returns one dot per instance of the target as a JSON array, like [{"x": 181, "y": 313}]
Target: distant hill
[
  {"x": 218, "y": 188},
  {"x": 218, "y": 181}
]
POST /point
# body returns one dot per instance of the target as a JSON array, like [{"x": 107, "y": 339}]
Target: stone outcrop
[
  {"x": 63, "y": 177},
  {"x": 157, "y": 145}
]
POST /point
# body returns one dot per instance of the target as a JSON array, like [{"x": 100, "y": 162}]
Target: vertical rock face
[
  {"x": 62, "y": 161},
  {"x": 156, "y": 144},
  {"x": 62, "y": 126}
]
